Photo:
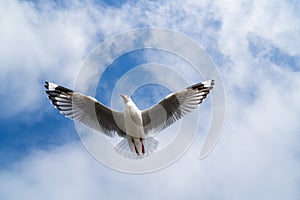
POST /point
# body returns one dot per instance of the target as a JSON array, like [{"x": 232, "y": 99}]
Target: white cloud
[
  {"x": 64, "y": 172},
  {"x": 258, "y": 154},
  {"x": 38, "y": 45}
]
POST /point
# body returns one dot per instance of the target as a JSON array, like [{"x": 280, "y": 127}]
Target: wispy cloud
[{"x": 256, "y": 48}]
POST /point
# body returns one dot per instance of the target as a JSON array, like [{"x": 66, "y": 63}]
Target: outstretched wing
[
  {"x": 175, "y": 106},
  {"x": 86, "y": 110}
]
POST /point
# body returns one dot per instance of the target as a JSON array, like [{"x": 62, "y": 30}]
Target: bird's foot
[
  {"x": 135, "y": 148},
  {"x": 143, "y": 148}
]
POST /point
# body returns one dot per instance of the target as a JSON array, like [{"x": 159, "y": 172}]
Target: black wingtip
[
  {"x": 46, "y": 85},
  {"x": 208, "y": 84}
]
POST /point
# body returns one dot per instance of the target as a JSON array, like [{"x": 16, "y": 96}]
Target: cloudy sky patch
[{"x": 255, "y": 46}]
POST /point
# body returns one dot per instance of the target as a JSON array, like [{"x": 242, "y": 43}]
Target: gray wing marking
[
  {"x": 174, "y": 107},
  {"x": 86, "y": 110}
]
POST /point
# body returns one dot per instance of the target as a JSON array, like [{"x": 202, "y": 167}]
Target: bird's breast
[
  {"x": 134, "y": 116},
  {"x": 133, "y": 122}
]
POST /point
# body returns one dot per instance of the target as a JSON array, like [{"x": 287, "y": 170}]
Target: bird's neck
[{"x": 131, "y": 105}]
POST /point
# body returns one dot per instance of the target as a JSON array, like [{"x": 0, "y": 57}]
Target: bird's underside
[{"x": 137, "y": 127}]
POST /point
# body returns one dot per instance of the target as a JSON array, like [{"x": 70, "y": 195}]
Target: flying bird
[{"x": 137, "y": 127}]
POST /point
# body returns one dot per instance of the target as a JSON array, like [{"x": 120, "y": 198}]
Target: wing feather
[
  {"x": 174, "y": 107},
  {"x": 85, "y": 110}
]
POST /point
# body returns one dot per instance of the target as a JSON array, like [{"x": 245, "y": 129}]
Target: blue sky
[{"x": 255, "y": 47}]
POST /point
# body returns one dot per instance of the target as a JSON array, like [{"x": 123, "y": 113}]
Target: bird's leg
[
  {"x": 136, "y": 150},
  {"x": 143, "y": 148}
]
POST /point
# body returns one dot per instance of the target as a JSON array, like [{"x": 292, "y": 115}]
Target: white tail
[{"x": 126, "y": 149}]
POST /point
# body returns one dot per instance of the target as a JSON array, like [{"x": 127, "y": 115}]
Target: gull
[{"x": 136, "y": 126}]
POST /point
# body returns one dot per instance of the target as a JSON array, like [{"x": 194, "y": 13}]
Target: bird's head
[{"x": 125, "y": 98}]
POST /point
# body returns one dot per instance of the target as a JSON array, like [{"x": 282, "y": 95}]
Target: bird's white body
[
  {"x": 133, "y": 120},
  {"x": 133, "y": 125}
]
